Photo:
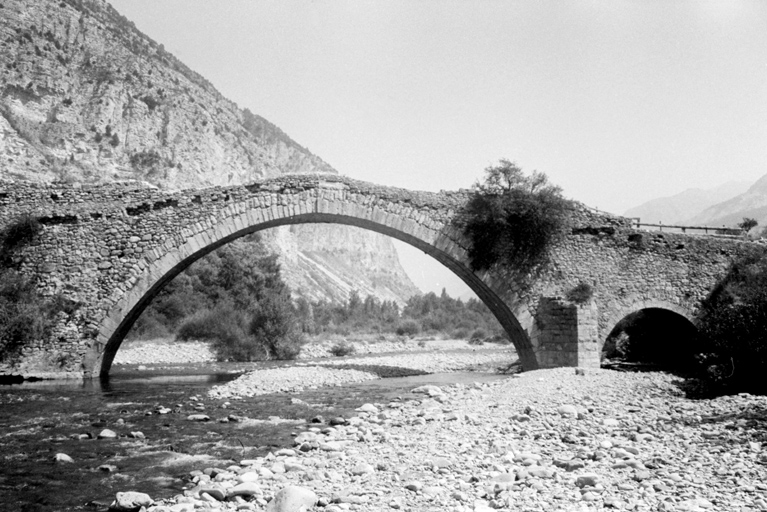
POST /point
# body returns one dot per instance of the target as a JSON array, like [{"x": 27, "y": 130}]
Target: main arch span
[
  {"x": 433, "y": 242},
  {"x": 111, "y": 248}
]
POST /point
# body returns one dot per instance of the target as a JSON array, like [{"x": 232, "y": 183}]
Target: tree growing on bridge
[{"x": 513, "y": 219}]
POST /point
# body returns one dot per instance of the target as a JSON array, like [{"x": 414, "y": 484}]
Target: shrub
[
  {"x": 207, "y": 325},
  {"x": 148, "y": 162},
  {"x": 501, "y": 338},
  {"x": 223, "y": 327},
  {"x": 17, "y": 234},
  {"x": 408, "y": 328},
  {"x": 478, "y": 337},
  {"x": 150, "y": 102},
  {"x": 148, "y": 326},
  {"x": 61, "y": 304},
  {"x": 581, "y": 294},
  {"x": 22, "y": 314},
  {"x": 733, "y": 320},
  {"x": 342, "y": 348},
  {"x": 461, "y": 333},
  {"x": 275, "y": 327},
  {"x": 513, "y": 219},
  {"x": 234, "y": 345}
]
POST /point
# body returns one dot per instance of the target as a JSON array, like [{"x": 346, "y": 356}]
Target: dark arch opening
[
  {"x": 496, "y": 305},
  {"x": 653, "y": 338}
]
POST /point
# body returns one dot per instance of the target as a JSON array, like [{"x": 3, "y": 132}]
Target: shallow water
[{"x": 41, "y": 419}]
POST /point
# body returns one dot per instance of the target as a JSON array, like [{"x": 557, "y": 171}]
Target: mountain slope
[
  {"x": 751, "y": 203},
  {"x": 680, "y": 207},
  {"x": 86, "y": 97}
]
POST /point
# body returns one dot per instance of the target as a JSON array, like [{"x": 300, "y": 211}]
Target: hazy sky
[{"x": 617, "y": 101}]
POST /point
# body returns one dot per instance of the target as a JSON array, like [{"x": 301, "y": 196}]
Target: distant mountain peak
[{"x": 750, "y": 203}]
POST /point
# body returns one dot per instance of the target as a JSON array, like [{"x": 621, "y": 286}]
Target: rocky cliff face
[
  {"x": 85, "y": 96},
  {"x": 325, "y": 261}
]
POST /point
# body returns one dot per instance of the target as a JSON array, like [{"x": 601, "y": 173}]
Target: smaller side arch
[
  {"x": 639, "y": 305},
  {"x": 655, "y": 333}
]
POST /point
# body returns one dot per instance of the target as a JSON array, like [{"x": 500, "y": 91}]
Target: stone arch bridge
[{"x": 111, "y": 248}]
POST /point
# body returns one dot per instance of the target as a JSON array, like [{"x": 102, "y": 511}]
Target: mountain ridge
[
  {"x": 751, "y": 203},
  {"x": 681, "y": 207}
]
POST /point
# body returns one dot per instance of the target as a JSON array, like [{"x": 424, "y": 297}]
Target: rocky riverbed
[
  {"x": 543, "y": 440},
  {"x": 174, "y": 352},
  {"x": 336, "y": 372}
]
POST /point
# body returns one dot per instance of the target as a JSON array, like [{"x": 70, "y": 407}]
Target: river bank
[{"x": 542, "y": 440}]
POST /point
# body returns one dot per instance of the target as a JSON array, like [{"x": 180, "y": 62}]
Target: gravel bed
[
  {"x": 170, "y": 352},
  {"x": 357, "y": 369},
  {"x": 547, "y": 440},
  {"x": 166, "y": 352},
  {"x": 322, "y": 349}
]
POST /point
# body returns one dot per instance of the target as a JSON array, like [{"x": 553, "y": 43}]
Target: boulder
[
  {"x": 130, "y": 501},
  {"x": 63, "y": 458},
  {"x": 292, "y": 499},
  {"x": 107, "y": 434},
  {"x": 245, "y": 489}
]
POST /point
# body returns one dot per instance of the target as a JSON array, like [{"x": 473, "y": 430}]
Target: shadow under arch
[
  {"x": 663, "y": 337},
  {"x": 638, "y": 305},
  {"x": 121, "y": 317}
]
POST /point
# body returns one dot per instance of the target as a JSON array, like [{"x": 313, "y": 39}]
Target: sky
[{"x": 617, "y": 101}]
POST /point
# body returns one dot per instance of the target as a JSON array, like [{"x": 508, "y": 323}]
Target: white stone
[
  {"x": 292, "y": 499},
  {"x": 107, "y": 434},
  {"x": 63, "y": 458}
]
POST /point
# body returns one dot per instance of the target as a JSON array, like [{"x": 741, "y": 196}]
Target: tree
[
  {"x": 507, "y": 177},
  {"x": 513, "y": 219},
  {"x": 747, "y": 224}
]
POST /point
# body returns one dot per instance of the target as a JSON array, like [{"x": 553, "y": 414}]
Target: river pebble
[{"x": 665, "y": 453}]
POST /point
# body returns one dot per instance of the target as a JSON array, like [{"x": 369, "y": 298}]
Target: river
[{"x": 42, "y": 419}]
